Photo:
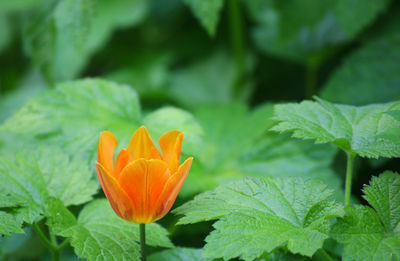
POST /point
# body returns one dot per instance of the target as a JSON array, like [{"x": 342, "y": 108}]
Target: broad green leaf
[
  {"x": 195, "y": 85},
  {"x": 383, "y": 194},
  {"x": 178, "y": 254},
  {"x": 207, "y": 12},
  {"x": 373, "y": 234},
  {"x": 32, "y": 178},
  {"x": 241, "y": 145},
  {"x": 99, "y": 234},
  {"x": 8, "y": 224},
  {"x": 92, "y": 106},
  {"x": 257, "y": 215},
  {"x": 61, "y": 36},
  {"x": 301, "y": 30},
  {"x": 368, "y": 75},
  {"x": 364, "y": 130}
]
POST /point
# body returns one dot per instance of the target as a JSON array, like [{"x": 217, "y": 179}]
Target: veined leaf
[
  {"x": 373, "y": 234},
  {"x": 368, "y": 75},
  {"x": 178, "y": 254},
  {"x": 99, "y": 234},
  {"x": 257, "y": 215},
  {"x": 207, "y": 12},
  {"x": 8, "y": 224},
  {"x": 241, "y": 145},
  {"x": 92, "y": 106},
  {"x": 34, "y": 177},
  {"x": 364, "y": 130}
]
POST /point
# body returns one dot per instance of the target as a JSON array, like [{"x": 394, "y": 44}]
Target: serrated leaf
[
  {"x": 207, "y": 12},
  {"x": 241, "y": 145},
  {"x": 8, "y": 224},
  {"x": 178, "y": 254},
  {"x": 300, "y": 30},
  {"x": 368, "y": 75},
  {"x": 362, "y": 130},
  {"x": 94, "y": 105},
  {"x": 370, "y": 234},
  {"x": 34, "y": 177},
  {"x": 101, "y": 235},
  {"x": 383, "y": 194},
  {"x": 261, "y": 214}
]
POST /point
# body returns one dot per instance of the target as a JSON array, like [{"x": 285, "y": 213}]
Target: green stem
[
  {"x": 349, "y": 174},
  {"x": 311, "y": 79},
  {"x": 63, "y": 244},
  {"x": 143, "y": 241},
  {"x": 236, "y": 29},
  {"x": 325, "y": 255},
  {"x": 43, "y": 238},
  {"x": 54, "y": 248}
]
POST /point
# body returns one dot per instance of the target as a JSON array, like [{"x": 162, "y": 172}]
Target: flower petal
[
  {"x": 171, "y": 190},
  {"x": 119, "y": 200},
  {"x": 143, "y": 181},
  {"x": 121, "y": 162},
  {"x": 141, "y": 146},
  {"x": 170, "y": 144},
  {"x": 105, "y": 152}
]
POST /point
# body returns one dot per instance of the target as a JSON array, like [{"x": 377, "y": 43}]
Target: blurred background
[{"x": 226, "y": 62}]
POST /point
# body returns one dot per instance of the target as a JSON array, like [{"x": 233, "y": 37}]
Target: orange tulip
[{"x": 142, "y": 185}]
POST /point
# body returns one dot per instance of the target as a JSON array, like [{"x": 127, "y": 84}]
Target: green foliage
[
  {"x": 62, "y": 35},
  {"x": 99, "y": 234},
  {"x": 32, "y": 178},
  {"x": 195, "y": 85},
  {"x": 303, "y": 30},
  {"x": 8, "y": 224},
  {"x": 364, "y": 130},
  {"x": 93, "y": 106},
  {"x": 178, "y": 254},
  {"x": 207, "y": 12},
  {"x": 368, "y": 75},
  {"x": 260, "y": 214},
  {"x": 241, "y": 145},
  {"x": 373, "y": 234}
]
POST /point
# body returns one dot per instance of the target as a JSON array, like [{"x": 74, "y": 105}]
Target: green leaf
[
  {"x": 8, "y": 224},
  {"x": 202, "y": 79},
  {"x": 373, "y": 234},
  {"x": 363, "y": 130},
  {"x": 301, "y": 30},
  {"x": 101, "y": 235},
  {"x": 178, "y": 254},
  {"x": 241, "y": 145},
  {"x": 368, "y": 75},
  {"x": 207, "y": 12},
  {"x": 33, "y": 178},
  {"x": 257, "y": 215},
  {"x": 92, "y": 106},
  {"x": 62, "y": 36}
]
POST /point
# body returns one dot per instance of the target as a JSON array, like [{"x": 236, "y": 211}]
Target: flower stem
[
  {"x": 349, "y": 174},
  {"x": 325, "y": 255},
  {"x": 52, "y": 246},
  {"x": 236, "y": 29},
  {"x": 143, "y": 241}
]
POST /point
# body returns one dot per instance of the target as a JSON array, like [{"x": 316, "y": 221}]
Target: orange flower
[{"x": 142, "y": 185}]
